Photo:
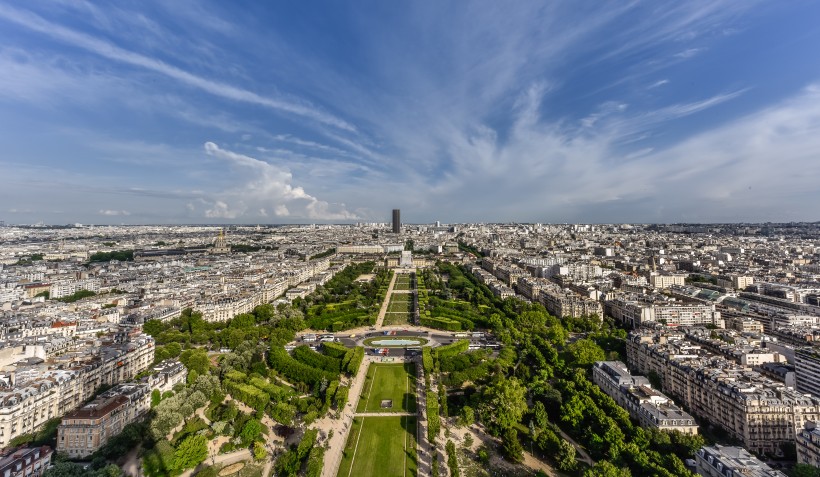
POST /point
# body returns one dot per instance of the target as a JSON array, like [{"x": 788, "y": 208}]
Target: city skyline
[{"x": 192, "y": 112}]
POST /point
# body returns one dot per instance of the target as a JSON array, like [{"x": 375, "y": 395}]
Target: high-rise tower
[{"x": 396, "y": 221}]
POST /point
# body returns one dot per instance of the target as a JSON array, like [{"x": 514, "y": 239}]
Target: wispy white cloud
[
  {"x": 688, "y": 53},
  {"x": 109, "y": 212},
  {"x": 658, "y": 83},
  {"x": 112, "y": 52}
]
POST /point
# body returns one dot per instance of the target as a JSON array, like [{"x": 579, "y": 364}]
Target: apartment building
[
  {"x": 650, "y": 407},
  {"x": 25, "y": 407},
  {"x": 29, "y": 398},
  {"x": 25, "y": 462},
  {"x": 727, "y": 461},
  {"x": 65, "y": 288},
  {"x": 563, "y": 303},
  {"x": 808, "y": 444},
  {"x": 86, "y": 430},
  {"x": 167, "y": 374},
  {"x": 807, "y": 370},
  {"x": 634, "y": 313},
  {"x": 758, "y": 411},
  {"x": 665, "y": 280}
]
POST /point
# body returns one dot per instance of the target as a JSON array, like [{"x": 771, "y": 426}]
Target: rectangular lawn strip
[
  {"x": 402, "y": 283},
  {"x": 380, "y": 446},
  {"x": 396, "y": 382},
  {"x": 396, "y": 319},
  {"x": 398, "y": 307}
]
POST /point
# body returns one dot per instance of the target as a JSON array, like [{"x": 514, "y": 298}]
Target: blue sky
[{"x": 303, "y": 112}]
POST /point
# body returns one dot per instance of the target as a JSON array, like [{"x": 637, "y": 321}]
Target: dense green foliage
[
  {"x": 70, "y": 469},
  {"x": 427, "y": 360},
  {"x": 324, "y": 254},
  {"x": 76, "y": 296},
  {"x": 452, "y": 459},
  {"x": 294, "y": 370},
  {"x": 289, "y": 463},
  {"x": 245, "y": 248},
  {"x": 311, "y": 358},
  {"x": 121, "y": 255},
  {"x": 344, "y": 303},
  {"x": 46, "y": 435},
  {"x": 433, "y": 419},
  {"x": 540, "y": 380},
  {"x": 356, "y": 358}
]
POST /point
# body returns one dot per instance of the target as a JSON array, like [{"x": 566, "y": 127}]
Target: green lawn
[
  {"x": 402, "y": 283},
  {"x": 398, "y": 307},
  {"x": 380, "y": 447},
  {"x": 391, "y": 319},
  {"x": 389, "y": 381}
]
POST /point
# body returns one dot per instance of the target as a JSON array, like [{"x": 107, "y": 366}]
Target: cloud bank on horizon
[{"x": 565, "y": 111}]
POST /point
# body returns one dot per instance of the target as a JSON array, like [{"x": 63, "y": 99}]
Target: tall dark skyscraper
[{"x": 396, "y": 221}]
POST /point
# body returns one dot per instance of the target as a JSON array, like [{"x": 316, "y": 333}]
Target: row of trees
[{"x": 538, "y": 387}]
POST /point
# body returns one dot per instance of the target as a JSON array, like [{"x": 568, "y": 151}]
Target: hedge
[
  {"x": 355, "y": 360},
  {"x": 441, "y": 323},
  {"x": 311, "y": 358},
  {"x": 446, "y": 351},
  {"x": 433, "y": 419},
  {"x": 334, "y": 350},
  {"x": 427, "y": 360},
  {"x": 294, "y": 370},
  {"x": 250, "y": 395}
]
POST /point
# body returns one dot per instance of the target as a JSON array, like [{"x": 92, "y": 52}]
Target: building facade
[
  {"x": 761, "y": 413},
  {"x": 396, "y": 221},
  {"x": 26, "y": 462},
  {"x": 807, "y": 370},
  {"x": 648, "y": 406},
  {"x": 86, "y": 430},
  {"x": 726, "y": 461},
  {"x": 808, "y": 444}
]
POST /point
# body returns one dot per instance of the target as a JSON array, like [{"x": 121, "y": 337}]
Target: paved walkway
[
  {"x": 224, "y": 459},
  {"x": 425, "y": 449},
  {"x": 341, "y": 426}
]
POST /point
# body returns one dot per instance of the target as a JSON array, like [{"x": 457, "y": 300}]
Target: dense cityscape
[
  {"x": 502, "y": 349},
  {"x": 473, "y": 238}
]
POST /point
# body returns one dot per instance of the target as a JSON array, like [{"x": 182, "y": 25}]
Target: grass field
[
  {"x": 380, "y": 447},
  {"x": 402, "y": 283},
  {"x": 392, "y": 319},
  {"x": 398, "y": 306},
  {"x": 389, "y": 381}
]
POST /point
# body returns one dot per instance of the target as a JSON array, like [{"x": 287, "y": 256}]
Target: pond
[{"x": 396, "y": 342}]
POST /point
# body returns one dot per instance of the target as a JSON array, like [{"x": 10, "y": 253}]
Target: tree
[
  {"x": 252, "y": 430},
  {"x": 467, "y": 416},
  {"x": 156, "y": 397},
  {"x": 565, "y": 457},
  {"x": 503, "y": 404},
  {"x": 196, "y": 359},
  {"x": 191, "y": 452},
  {"x": 585, "y": 352},
  {"x": 159, "y": 460},
  {"x": 539, "y": 415},
  {"x": 174, "y": 349},
  {"x": 259, "y": 451},
  {"x": 65, "y": 469},
  {"x": 605, "y": 469},
  {"x": 805, "y": 470},
  {"x": 510, "y": 445}
]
